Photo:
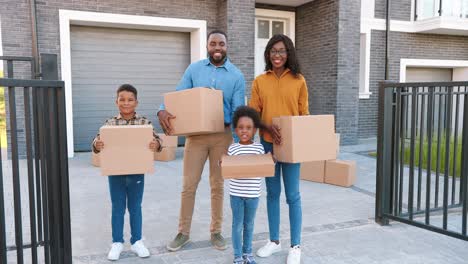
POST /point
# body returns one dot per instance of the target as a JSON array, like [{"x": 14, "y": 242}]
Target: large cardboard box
[
  {"x": 166, "y": 154},
  {"x": 313, "y": 171},
  {"x": 95, "y": 159},
  {"x": 306, "y": 138},
  {"x": 247, "y": 166},
  {"x": 340, "y": 172},
  {"x": 126, "y": 150},
  {"x": 197, "y": 111}
]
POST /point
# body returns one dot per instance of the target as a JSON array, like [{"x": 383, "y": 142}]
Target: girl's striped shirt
[{"x": 245, "y": 187}]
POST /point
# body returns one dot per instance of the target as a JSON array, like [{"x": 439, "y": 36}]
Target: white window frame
[
  {"x": 451, "y": 64},
  {"x": 364, "y": 90},
  {"x": 67, "y": 18},
  {"x": 280, "y": 15}
]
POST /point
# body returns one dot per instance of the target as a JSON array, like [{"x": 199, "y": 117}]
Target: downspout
[
  {"x": 387, "y": 40},
  {"x": 34, "y": 40}
]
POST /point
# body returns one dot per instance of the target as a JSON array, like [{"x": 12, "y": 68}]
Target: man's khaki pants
[{"x": 197, "y": 150}]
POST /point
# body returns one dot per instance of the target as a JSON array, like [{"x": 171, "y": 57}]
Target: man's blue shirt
[{"x": 227, "y": 78}]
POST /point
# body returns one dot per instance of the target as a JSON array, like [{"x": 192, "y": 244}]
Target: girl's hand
[
  {"x": 99, "y": 144},
  {"x": 154, "y": 145}
]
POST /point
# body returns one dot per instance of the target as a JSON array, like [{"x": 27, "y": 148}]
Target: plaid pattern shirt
[{"x": 118, "y": 120}]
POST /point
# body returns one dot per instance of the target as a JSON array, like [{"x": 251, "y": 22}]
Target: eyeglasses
[{"x": 282, "y": 53}]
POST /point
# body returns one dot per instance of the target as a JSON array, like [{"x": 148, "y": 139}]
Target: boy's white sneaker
[
  {"x": 140, "y": 249},
  {"x": 269, "y": 249},
  {"x": 294, "y": 256},
  {"x": 114, "y": 252}
]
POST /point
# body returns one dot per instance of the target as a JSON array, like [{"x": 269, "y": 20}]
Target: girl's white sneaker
[
  {"x": 114, "y": 252},
  {"x": 140, "y": 249}
]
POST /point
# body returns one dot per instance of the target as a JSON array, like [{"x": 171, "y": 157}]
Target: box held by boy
[{"x": 126, "y": 150}]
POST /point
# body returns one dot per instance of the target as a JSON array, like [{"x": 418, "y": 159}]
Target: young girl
[
  {"x": 281, "y": 91},
  {"x": 244, "y": 192}
]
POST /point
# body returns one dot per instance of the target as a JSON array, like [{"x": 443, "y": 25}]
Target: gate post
[
  {"x": 57, "y": 163},
  {"x": 384, "y": 155}
]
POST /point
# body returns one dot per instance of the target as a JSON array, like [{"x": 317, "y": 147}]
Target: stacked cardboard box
[
  {"x": 197, "y": 111},
  {"x": 247, "y": 166},
  {"x": 126, "y": 150},
  {"x": 312, "y": 141},
  {"x": 169, "y": 148},
  {"x": 95, "y": 159}
]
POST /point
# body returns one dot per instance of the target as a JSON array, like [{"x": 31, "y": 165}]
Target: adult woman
[{"x": 281, "y": 91}]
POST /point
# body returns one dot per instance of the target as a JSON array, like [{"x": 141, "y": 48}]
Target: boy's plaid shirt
[{"x": 135, "y": 120}]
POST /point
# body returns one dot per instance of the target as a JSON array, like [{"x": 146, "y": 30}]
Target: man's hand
[
  {"x": 164, "y": 119},
  {"x": 154, "y": 145},
  {"x": 275, "y": 132},
  {"x": 99, "y": 144}
]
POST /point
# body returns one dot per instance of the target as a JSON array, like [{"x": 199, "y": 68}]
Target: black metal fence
[
  {"x": 44, "y": 171},
  {"x": 422, "y": 165}
]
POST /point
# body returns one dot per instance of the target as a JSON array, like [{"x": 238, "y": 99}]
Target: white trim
[
  {"x": 289, "y": 16},
  {"x": 197, "y": 29},
  {"x": 436, "y": 25},
  {"x": 366, "y": 93},
  {"x": 404, "y": 63}
]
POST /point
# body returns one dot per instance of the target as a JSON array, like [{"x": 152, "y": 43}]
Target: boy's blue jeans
[
  {"x": 291, "y": 180},
  {"x": 126, "y": 191},
  {"x": 243, "y": 216}
]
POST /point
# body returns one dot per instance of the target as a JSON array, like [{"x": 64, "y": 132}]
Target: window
[{"x": 450, "y": 8}]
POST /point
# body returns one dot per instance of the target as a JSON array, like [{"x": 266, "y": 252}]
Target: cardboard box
[
  {"x": 306, "y": 138},
  {"x": 169, "y": 141},
  {"x": 313, "y": 171},
  {"x": 340, "y": 172},
  {"x": 197, "y": 111},
  {"x": 126, "y": 150},
  {"x": 337, "y": 143},
  {"x": 167, "y": 154},
  {"x": 95, "y": 159},
  {"x": 247, "y": 166}
]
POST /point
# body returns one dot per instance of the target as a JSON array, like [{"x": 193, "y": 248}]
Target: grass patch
[{"x": 442, "y": 154}]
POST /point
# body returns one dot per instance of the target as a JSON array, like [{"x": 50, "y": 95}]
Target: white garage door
[{"x": 104, "y": 58}]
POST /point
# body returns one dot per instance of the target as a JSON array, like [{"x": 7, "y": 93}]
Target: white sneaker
[
  {"x": 269, "y": 249},
  {"x": 140, "y": 249},
  {"x": 114, "y": 252},
  {"x": 294, "y": 256}
]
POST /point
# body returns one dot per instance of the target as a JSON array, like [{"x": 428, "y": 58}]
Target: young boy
[
  {"x": 244, "y": 193},
  {"x": 127, "y": 189}
]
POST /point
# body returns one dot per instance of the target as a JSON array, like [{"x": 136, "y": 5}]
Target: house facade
[{"x": 149, "y": 43}]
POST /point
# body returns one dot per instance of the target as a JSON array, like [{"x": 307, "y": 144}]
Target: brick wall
[
  {"x": 407, "y": 46},
  {"x": 399, "y": 10},
  {"x": 327, "y": 41}
]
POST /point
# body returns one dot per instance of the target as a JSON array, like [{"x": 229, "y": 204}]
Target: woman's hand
[{"x": 275, "y": 132}]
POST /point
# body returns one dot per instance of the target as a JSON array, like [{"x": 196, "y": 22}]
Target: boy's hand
[
  {"x": 154, "y": 145},
  {"x": 99, "y": 144},
  {"x": 164, "y": 119},
  {"x": 275, "y": 133}
]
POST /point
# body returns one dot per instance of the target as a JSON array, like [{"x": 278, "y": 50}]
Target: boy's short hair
[
  {"x": 129, "y": 88},
  {"x": 245, "y": 111}
]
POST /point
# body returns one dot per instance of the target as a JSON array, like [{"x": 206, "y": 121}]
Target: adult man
[{"x": 215, "y": 72}]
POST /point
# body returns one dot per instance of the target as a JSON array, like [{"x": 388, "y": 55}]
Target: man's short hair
[
  {"x": 217, "y": 31},
  {"x": 129, "y": 88}
]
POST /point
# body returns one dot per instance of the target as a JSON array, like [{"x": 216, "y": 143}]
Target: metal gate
[
  {"x": 36, "y": 171},
  {"x": 422, "y": 166}
]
